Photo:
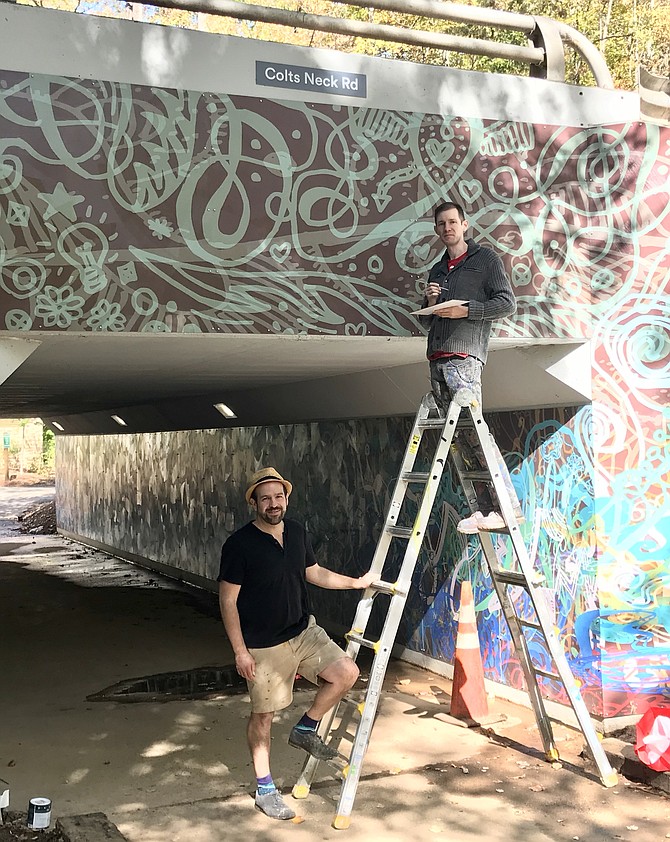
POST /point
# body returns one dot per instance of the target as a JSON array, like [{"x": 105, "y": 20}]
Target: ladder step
[
  {"x": 400, "y": 531},
  {"x": 509, "y": 577},
  {"x": 474, "y": 476},
  {"x": 530, "y": 624},
  {"x": 356, "y": 705},
  {"x": 416, "y": 476},
  {"x": 357, "y": 637},
  {"x": 387, "y": 587},
  {"x": 546, "y": 674},
  {"x": 431, "y": 424}
]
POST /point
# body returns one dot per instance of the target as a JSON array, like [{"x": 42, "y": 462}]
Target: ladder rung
[
  {"x": 473, "y": 476},
  {"x": 400, "y": 531},
  {"x": 530, "y": 624},
  {"x": 357, "y": 705},
  {"x": 416, "y": 476},
  {"x": 509, "y": 577},
  {"x": 387, "y": 587},
  {"x": 431, "y": 424},
  {"x": 545, "y": 674},
  {"x": 357, "y": 637}
]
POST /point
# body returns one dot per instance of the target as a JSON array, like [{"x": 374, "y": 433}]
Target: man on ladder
[
  {"x": 457, "y": 348},
  {"x": 469, "y": 288}
]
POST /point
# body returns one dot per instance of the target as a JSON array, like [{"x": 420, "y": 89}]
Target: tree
[{"x": 629, "y": 32}]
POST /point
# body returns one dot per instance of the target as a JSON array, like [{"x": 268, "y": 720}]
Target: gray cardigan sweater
[{"x": 481, "y": 280}]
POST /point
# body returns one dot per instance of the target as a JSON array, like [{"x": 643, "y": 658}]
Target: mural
[{"x": 125, "y": 208}]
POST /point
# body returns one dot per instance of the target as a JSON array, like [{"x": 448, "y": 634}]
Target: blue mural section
[{"x": 550, "y": 458}]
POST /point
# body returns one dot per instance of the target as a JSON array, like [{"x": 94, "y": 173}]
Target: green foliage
[
  {"x": 629, "y": 32},
  {"x": 48, "y": 448}
]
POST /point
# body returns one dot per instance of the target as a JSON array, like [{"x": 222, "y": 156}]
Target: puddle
[
  {"x": 202, "y": 683},
  {"x": 46, "y": 549},
  {"x": 8, "y": 548}
]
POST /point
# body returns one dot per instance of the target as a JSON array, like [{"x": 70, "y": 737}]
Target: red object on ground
[
  {"x": 468, "y": 696},
  {"x": 653, "y": 739}
]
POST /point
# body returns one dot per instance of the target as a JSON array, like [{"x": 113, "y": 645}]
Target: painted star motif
[{"x": 60, "y": 201}]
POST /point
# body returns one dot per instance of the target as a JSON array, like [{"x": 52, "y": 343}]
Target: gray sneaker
[
  {"x": 312, "y": 743},
  {"x": 273, "y": 805}
]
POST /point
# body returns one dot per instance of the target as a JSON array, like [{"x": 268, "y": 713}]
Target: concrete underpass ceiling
[{"x": 169, "y": 382}]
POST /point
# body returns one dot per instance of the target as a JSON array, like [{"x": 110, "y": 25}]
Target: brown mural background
[{"x": 128, "y": 208}]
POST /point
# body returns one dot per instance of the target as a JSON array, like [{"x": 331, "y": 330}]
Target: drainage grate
[{"x": 202, "y": 683}]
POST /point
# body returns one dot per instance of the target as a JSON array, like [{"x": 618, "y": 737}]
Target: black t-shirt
[{"x": 272, "y": 603}]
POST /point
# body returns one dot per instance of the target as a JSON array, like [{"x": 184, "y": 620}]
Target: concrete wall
[
  {"x": 173, "y": 498},
  {"x": 136, "y": 215}
]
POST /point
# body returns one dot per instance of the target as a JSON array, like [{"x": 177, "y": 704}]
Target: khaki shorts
[{"x": 308, "y": 654}]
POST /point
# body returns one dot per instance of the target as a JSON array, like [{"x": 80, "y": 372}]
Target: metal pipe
[
  {"x": 497, "y": 18},
  {"x": 423, "y": 8},
  {"x": 589, "y": 52},
  {"x": 361, "y": 29},
  {"x": 450, "y": 11}
]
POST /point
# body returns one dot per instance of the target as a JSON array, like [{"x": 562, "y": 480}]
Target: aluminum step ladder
[{"x": 431, "y": 417}]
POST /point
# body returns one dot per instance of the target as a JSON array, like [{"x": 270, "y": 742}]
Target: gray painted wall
[{"x": 174, "y": 497}]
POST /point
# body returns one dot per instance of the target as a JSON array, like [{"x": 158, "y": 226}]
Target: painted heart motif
[
  {"x": 356, "y": 330},
  {"x": 280, "y": 251},
  {"x": 422, "y": 251},
  {"x": 470, "y": 190},
  {"x": 439, "y": 152}
]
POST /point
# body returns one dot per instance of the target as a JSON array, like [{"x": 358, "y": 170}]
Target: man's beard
[{"x": 272, "y": 519}]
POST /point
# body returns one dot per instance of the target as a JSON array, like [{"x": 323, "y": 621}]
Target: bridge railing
[{"x": 544, "y": 51}]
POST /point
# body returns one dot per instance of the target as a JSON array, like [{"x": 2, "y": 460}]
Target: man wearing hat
[{"x": 265, "y": 566}]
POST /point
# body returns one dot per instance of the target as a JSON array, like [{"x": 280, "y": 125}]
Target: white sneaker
[
  {"x": 470, "y": 525},
  {"x": 492, "y": 522}
]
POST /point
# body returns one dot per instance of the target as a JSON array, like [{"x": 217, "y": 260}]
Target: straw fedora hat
[{"x": 266, "y": 475}]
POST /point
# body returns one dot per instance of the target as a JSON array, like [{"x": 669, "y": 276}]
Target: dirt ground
[
  {"x": 15, "y": 829},
  {"x": 74, "y": 620},
  {"x": 30, "y": 481},
  {"x": 39, "y": 520}
]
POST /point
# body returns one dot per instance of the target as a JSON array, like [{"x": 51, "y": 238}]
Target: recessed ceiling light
[
  {"x": 58, "y": 426},
  {"x": 119, "y": 420},
  {"x": 225, "y": 410}
]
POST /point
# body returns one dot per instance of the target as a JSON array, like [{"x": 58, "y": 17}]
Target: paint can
[{"x": 39, "y": 813}]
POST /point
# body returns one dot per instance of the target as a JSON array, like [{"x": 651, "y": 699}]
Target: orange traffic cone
[{"x": 468, "y": 696}]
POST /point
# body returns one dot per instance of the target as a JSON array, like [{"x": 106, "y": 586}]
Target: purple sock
[
  {"x": 308, "y": 724},
  {"x": 265, "y": 785}
]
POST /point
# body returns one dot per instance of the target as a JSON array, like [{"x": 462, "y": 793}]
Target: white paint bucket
[{"x": 39, "y": 813}]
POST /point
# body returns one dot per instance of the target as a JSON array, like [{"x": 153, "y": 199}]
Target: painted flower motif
[
  {"x": 106, "y": 316},
  {"x": 58, "y": 307},
  {"x": 160, "y": 227}
]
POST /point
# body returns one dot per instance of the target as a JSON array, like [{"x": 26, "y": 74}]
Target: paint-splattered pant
[{"x": 447, "y": 376}]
